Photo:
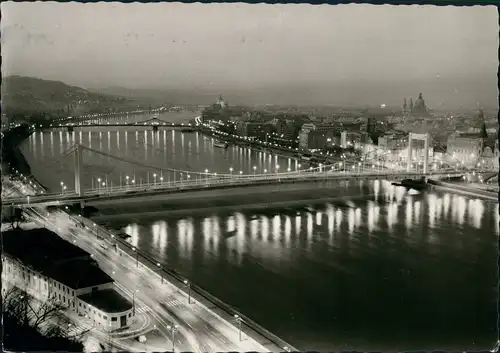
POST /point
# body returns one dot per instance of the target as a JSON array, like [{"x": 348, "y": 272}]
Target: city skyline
[{"x": 345, "y": 54}]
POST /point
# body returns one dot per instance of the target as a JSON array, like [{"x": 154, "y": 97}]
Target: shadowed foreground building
[{"x": 45, "y": 266}]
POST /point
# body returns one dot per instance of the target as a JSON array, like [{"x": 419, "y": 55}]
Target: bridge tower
[
  {"x": 343, "y": 139},
  {"x": 79, "y": 189},
  {"x": 422, "y": 137}
]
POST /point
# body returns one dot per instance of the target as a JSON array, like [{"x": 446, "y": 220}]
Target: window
[
  {"x": 59, "y": 296},
  {"x": 104, "y": 317},
  {"x": 129, "y": 314},
  {"x": 114, "y": 318},
  {"x": 80, "y": 304},
  {"x": 59, "y": 285}
]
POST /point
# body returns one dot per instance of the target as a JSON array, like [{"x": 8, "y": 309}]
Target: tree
[
  {"x": 14, "y": 216},
  {"x": 32, "y": 325}
]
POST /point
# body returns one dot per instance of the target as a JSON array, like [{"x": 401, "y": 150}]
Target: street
[{"x": 199, "y": 329}]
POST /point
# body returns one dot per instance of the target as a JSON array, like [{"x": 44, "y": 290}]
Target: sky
[{"x": 344, "y": 53}]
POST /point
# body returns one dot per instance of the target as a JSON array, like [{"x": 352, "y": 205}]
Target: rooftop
[
  {"x": 78, "y": 274},
  {"x": 107, "y": 300},
  {"x": 39, "y": 246},
  {"x": 48, "y": 254},
  {"x": 469, "y": 135}
]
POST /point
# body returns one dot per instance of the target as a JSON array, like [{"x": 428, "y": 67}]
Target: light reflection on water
[
  {"x": 190, "y": 152},
  {"x": 237, "y": 231},
  {"x": 342, "y": 260},
  {"x": 372, "y": 239}
]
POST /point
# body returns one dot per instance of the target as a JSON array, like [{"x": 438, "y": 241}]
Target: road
[
  {"x": 124, "y": 192},
  {"x": 200, "y": 329}
]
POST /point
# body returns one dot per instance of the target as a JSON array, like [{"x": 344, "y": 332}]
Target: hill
[
  {"x": 27, "y": 96},
  {"x": 172, "y": 96}
]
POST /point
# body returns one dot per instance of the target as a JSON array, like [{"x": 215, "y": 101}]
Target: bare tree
[
  {"x": 47, "y": 317},
  {"x": 15, "y": 216}
]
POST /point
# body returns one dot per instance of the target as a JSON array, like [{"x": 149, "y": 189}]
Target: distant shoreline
[{"x": 11, "y": 152}]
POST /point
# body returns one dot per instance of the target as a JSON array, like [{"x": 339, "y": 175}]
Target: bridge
[
  {"x": 163, "y": 180},
  {"x": 154, "y": 122}
]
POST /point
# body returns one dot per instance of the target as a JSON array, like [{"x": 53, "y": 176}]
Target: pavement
[{"x": 199, "y": 328}]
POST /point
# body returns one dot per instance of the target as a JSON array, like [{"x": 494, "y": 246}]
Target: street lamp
[
  {"x": 173, "y": 330},
  {"x": 231, "y": 171},
  {"x": 136, "y": 256},
  {"x": 126, "y": 180},
  {"x": 186, "y": 282},
  {"x": 254, "y": 169},
  {"x": 239, "y": 320},
  {"x": 133, "y": 301},
  {"x": 154, "y": 179},
  {"x": 62, "y": 187},
  {"x": 161, "y": 272}
]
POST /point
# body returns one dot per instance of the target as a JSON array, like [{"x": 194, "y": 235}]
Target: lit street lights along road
[{"x": 192, "y": 317}]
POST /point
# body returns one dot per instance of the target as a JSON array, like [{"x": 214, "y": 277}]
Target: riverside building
[{"x": 47, "y": 267}]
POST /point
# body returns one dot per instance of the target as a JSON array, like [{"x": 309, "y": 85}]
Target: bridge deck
[{"x": 120, "y": 192}]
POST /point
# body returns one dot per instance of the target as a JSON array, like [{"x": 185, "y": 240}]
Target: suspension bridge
[
  {"x": 152, "y": 180},
  {"x": 154, "y": 122}
]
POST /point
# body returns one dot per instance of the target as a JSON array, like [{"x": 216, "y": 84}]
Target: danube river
[{"x": 371, "y": 268}]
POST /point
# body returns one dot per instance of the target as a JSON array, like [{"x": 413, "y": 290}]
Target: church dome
[{"x": 419, "y": 106}]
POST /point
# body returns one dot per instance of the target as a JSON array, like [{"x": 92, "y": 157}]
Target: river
[{"x": 368, "y": 267}]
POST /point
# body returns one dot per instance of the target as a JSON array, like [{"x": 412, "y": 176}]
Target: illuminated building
[
  {"x": 317, "y": 137},
  {"x": 465, "y": 148},
  {"x": 45, "y": 266}
]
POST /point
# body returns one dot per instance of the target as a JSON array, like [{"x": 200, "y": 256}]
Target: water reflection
[
  {"x": 357, "y": 239},
  {"x": 243, "y": 233},
  {"x": 164, "y": 149}
]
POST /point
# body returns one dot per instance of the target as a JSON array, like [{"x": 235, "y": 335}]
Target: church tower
[
  {"x": 221, "y": 102},
  {"x": 405, "y": 107},
  {"x": 411, "y": 106}
]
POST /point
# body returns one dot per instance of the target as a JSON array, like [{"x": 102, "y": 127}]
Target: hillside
[
  {"x": 164, "y": 96},
  {"x": 29, "y": 96}
]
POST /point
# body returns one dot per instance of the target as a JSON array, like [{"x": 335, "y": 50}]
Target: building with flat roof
[{"x": 47, "y": 267}]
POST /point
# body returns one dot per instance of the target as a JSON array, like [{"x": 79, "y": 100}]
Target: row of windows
[
  {"x": 31, "y": 275},
  {"x": 70, "y": 301}
]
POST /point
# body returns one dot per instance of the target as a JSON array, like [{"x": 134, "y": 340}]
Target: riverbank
[
  {"x": 11, "y": 153},
  {"x": 13, "y": 158},
  {"x": 465, "y": 190},
  {"x": 267, "y": 339}
]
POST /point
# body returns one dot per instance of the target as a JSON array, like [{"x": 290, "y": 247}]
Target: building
[
  {"x": 465, "y": 148},
  {"x": 393, "y": 141},
  {"x": 418, "y": 108},
  {"x": 47, "y": 267},
  {"x": 285, "y": 132},
  {"x": 318, "y": 136},
  {"x": 304, "y": 135},
  {"x": 221, "y": 102}
]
